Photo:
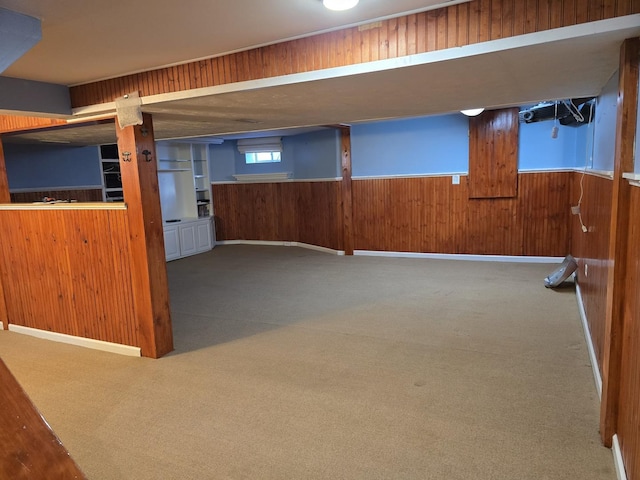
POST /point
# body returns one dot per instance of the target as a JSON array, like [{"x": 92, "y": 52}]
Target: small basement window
[
  {"x": 262, "y": 157},
  {"x": 261, "y": 150}
]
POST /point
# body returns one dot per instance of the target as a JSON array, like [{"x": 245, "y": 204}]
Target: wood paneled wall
[
  {"x": 431, "y": 215},
  {"x": 307, "y": 212},
  {"x": 453, "y": 26},
  {"x": 628, "y": 428},
  {"x": 591, "y": 249},
  {"x": 426, "y": 214},
  {"x": 493, "y": 154},
  {"x": 12, "y": 123},
  {"x": 68, "y": 271},
  {"x": 80, "y": 195}
]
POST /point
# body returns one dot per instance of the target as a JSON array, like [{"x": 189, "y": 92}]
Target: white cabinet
[
  {"x": 204, "y": 234},
  {"x": 171, "y": 242},
  {"x": 188, "y": 237},
  {"x": 185, "y": 198}
]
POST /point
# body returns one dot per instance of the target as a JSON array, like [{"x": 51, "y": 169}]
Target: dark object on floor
[{"x": 569, "y": 265}]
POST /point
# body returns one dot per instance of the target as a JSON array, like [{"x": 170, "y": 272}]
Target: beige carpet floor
[{"x": 294, "y": 364}]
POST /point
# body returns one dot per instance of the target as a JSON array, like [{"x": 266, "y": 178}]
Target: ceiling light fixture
[
  {"x": 339, "y": 4},
  {"x": 472, "y": 112}
]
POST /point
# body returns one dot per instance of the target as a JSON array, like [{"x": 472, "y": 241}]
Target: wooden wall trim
[
  {"x": 30, "y": 449},
  {"x": 347, "y": 198},
  {"x": 148, "y": 265},
  {"x": 5, "y": 197},
  {"x": 619, "y": 234},
  {"x": 448, "y": 27}
]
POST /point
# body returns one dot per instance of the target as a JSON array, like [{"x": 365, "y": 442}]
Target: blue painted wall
[
  {"x": 538, "y": 150},
  {"x": 316, "y": 155},
  {"x": 307, "y": 156},
  {"x": 438, "y": 144},
  {"x": 222, "y": 161},
  {"x": 52, "y": 166},
  {"x": 605, "y": 126}
]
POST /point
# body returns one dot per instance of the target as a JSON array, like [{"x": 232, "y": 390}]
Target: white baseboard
[
  {"x": 452, "y": 256},
  {"x": 267, "y": 243},
  {"x": 281, "y": 244},
  {"x": 617, "y": 459},
  {"x": 587, "y": 335},
  {"x": 78, "y": 341}
]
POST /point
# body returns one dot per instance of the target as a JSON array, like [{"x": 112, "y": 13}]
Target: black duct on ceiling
[{"x": 573, "y": 112}]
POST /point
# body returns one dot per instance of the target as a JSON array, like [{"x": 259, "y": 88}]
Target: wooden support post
[
  {"x": 148, "y": 267},
  {"x": 618, "y": 236},
  {"x": 347, "y": 198},
  {"x": 4, "y": 181},
  {"x": 5, "y": 197}
]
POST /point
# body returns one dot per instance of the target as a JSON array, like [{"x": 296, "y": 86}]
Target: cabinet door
[
  {"x": 171, "y": 243},
  {"x": 203, "y": 236},
  {"x": 187, "y": 239}
]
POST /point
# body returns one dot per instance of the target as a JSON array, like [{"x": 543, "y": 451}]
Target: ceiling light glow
[
  {"x": 472, "y": 112},
  {"x": 339, "y": 4}
]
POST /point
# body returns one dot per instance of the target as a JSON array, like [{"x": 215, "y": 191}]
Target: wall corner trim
[
  {"x": 617, "y": 459},
  {"x": 127, "y": 350},
  {"x": 587, "y": 335}
]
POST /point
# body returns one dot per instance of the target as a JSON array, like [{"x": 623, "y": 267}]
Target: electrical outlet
[
  {"x": 586, "y": 270},
  {"x": 575, "y": 210},
  {"x": 455, "y": 179}
]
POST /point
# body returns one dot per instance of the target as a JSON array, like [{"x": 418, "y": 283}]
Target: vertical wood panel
[
  {"x": 308, "y": 212},
  {"x": 433, "y": 216},
  {"x": 543, "y": 205},
  {"x": 495, "y": 25},
  {"x": 77, "y": 269},
  {"x": 617, "y": 257},
  {"x": 591, "y": 249},
  {"x": 629, "y": 415},
  {"x": 493, "y": 154},
  {"x": 5, "y": 197},
  {"x": 406, "y": 214},
  {"x": 447, "y": 27}
]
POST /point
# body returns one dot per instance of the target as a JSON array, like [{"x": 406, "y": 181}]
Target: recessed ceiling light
[
  {"x": 339, "y": 4},
  {"x": 473, "y": 112}
]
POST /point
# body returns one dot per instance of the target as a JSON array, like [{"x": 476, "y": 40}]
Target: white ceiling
[{"x": 564, "y": 63}]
